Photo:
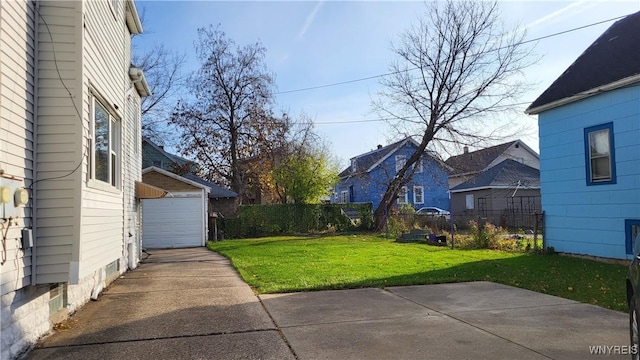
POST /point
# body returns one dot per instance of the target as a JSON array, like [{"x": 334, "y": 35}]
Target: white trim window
[
  {"x": 419, "y": 167},
  {"x": 403, "y": 196},
  {"x": 106, "y": 145},
  {"x": 400, "y": 161},
  {"x": 418, "y": 195},
  {"x": 344, "y": 197},
  {"x": 469, "y": 202}
]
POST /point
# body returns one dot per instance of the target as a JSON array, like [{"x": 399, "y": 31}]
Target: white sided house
[{"x": 70, "y": 159}]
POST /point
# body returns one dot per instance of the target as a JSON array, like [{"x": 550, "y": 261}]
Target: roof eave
[
  {"x": 132, "y": 19},
  {"x": 608, "y": 87},
  {"x": 177, "y": 177}
]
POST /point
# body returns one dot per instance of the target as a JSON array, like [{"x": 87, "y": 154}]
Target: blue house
[
  {"x": 589, "y": 123},
  {"x": 369, "y": 174}
]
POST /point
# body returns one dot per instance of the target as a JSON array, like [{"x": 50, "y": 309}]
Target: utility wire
[{"x": 415, "y": 68}]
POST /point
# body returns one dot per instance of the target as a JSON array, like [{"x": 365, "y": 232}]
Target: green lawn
[{"x": 287, "y": 264}]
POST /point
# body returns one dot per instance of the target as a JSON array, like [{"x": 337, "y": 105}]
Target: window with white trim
[
  {"x": 419, "y": 167},
  {"x": 106, "y": 145},
  {"x": 418, "y": 195},
  {"x": 469, "y": 202},
  {"x": 403, "y": 196},
  {"x": 600, "y": 154},
  {"x": 344, "y": 197},
  {"x": 400, "y": 161}
]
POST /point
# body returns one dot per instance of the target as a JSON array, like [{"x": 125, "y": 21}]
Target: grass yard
[{"x": 288, "y": 264}]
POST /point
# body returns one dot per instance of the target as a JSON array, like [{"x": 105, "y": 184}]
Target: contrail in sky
[{"x": 309, "y": 19}]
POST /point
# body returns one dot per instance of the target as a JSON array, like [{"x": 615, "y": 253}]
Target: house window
[
  {"x": 419, "y": 167},
  {"x": 600, "y": 154},
  {"x": 632, "y": 234},
  {"x": 400, "y": 161},
  {"x": 468, "y": 202},
  {"x": 403, "y": 196},
  {"x": 106, "y": 145},
  {"x": 418, "y": 195},
  {"x": 344, "y": 197}
]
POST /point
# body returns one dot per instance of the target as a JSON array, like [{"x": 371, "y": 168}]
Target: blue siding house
[
  {"x": 366, "y": 179},
  {"x": 589, "y": 124}
]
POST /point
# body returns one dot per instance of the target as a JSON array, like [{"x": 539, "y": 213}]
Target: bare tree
[
  {"x": 456, "y": 67},
  {"x": 162, "y": 69},
  {"x": 229, "y": 113}
]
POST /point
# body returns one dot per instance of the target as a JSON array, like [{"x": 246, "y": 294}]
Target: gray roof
[
  {"x": 508, "y": 173},
  {"x": 364, "y": 161},
  {"x": 217, "y": 191},
  {"x": 614, "y": 56},
  {"x": 476, "y": 161},
  {"x": 175, "y": 158}
]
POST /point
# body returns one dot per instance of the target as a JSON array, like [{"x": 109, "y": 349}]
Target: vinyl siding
[
  {"x": 17, "y": 105},
  {"x": 59, "y": 129},
  {"x": 585, "y": 219},
  {"x": 106, "y": 60}
]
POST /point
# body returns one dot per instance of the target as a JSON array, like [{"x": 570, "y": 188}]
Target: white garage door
[{"x": 172, "y": 222}]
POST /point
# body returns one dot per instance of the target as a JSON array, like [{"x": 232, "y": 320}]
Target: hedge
[{"x": 270, "y": 220}]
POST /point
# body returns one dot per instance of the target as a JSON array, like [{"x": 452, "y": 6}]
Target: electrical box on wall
[
  {"x": 13, "y": 195},
  {"x": 27, "y": 239}
]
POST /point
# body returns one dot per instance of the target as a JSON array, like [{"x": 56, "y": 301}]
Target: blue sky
[{"x": 312, "y": 43}]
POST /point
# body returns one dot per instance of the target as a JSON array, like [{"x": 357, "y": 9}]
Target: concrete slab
[
  {"x": 163, "y": 283},
  {"x": 559, "y": 331},
  {"x": 409, "y": 337},
  {"x": 139, "y": 316},
  {"x": 256, "y": 345},
  {"x": 337, "y": 306},
  {"x": 474, "y": 296}
]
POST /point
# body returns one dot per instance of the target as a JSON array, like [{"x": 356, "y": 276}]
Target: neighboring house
[
  {"x": 469, "y": 164},
  {"x": 509, "y": 186},
  {"x": 70, "y": 149},
  {"x": 155, "y": 155},
  {"x": 369, "y": 175},
  {"x": 589, "y": 121}
]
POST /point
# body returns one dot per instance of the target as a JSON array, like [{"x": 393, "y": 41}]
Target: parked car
[
  {"x": 434, "y": 211},
  {"x": 633, "y": 298}
]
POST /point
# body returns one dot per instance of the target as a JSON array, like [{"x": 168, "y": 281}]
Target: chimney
[
  {"x": 466, "y": 149},
  {"x": 379, "y": 146}
]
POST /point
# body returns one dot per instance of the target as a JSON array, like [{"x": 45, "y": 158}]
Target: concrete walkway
[{"x": 191, "y": 304}]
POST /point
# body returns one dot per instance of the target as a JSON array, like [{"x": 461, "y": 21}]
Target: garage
[{"x": 178, "y": 220}]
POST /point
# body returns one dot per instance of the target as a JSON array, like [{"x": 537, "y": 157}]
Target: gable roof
[
  {"x": 164, "y": 172},
  {"x": 367, "y": 161},
  {"x": 175, "y": 158},
  {"x": 610, "y": 62},
  {"x": 476, "y": 161},
  {"x": 507, "y": 174},
  {"x": 216, "y": 190}
]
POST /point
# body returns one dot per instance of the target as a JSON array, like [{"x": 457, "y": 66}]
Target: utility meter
[
  {"x": 20, "y": 197},
  {"x": 5, "y": 194}
]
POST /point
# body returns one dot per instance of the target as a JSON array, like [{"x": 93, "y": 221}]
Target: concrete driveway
[{"x": 191, "y": 304}]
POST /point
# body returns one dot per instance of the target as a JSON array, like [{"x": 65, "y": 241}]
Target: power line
[
  {"x": 415, "y": 68},
  {"x": 404, "y": 118}
]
